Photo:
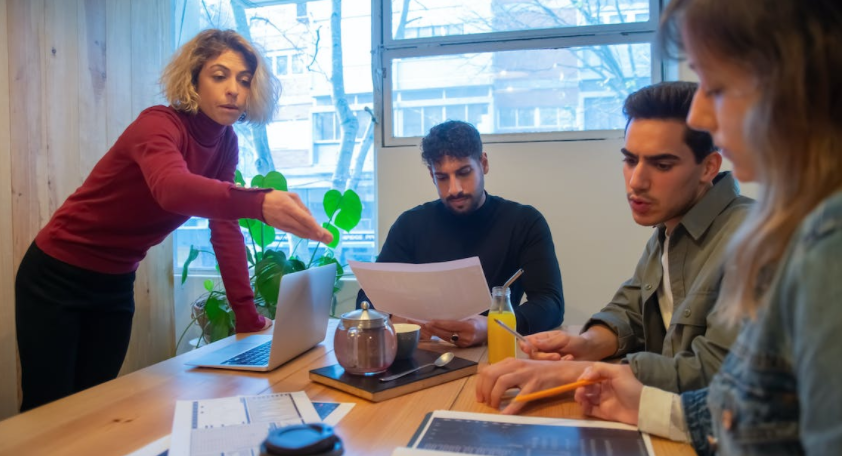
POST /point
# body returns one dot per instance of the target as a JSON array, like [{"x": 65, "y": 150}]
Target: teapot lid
[{"x": 366, "y": 316}]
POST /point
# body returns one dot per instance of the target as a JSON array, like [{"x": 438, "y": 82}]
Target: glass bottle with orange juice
[{"x": 501, "y": 344}]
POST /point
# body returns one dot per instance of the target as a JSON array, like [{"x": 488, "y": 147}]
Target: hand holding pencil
[
  {"x": 614, "y": 395},
  {"x": 529, "y": 376}
]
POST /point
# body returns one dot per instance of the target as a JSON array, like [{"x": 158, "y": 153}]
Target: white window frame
[{"x": 386, "y": 50}]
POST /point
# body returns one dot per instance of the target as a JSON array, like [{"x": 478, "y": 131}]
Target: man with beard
[{"x": 465, "y": 222}]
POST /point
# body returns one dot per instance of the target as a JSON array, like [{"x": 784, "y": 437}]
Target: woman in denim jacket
[{"x": 771, "y": 95}]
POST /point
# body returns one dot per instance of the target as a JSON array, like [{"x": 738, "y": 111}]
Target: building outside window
[{"x": 520, "y": 70}]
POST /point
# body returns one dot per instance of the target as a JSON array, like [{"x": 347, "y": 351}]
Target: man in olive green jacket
[{"x": 662, "y": 320}]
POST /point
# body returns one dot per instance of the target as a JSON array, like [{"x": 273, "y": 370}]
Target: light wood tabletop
[{"x": 130, "y": 412}]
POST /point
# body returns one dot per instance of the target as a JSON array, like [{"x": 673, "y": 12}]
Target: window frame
[{"x": 386, "y": 49}]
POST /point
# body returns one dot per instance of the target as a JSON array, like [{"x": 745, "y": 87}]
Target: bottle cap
[{"x": 313, "y": 439}]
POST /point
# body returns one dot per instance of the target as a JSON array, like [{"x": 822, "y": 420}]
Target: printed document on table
[
  {"x": 454, "y": 433},
  {"x": 235, "y": 425},
  {"x": 452, "y": 290}
]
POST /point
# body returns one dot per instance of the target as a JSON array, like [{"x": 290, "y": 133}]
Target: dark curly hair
[
  {"x": 670, "y": 100},
  {"x": 453, "y": 138}
]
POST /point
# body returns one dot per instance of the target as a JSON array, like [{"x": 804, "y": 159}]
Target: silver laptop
[{"x": 300, "y": 324}]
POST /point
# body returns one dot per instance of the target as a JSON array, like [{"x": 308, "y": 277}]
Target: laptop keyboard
[{"x": 257, "y": 356}]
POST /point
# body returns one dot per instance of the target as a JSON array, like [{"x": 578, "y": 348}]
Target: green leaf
[
  {"x": 257, "y": 181},
  {"x": 350, "y": 211},
  {"x": 238, "y": 178},
  {"x": 190, "y": 257},
  {"x": 213, "y": 306},
  {"x": 267, "y": 275},
  {"x": 295, "y": 265},
  {"x": 219, "y": 329},
  {"x": 331, "y": 202},
  {"x": 262, "y": 233},
  {"x": 208, "y": 283},
  {"x": 275, "y": 180},
  {"x": 335, "y": 232},
  {"x": 245, "y": 223}
]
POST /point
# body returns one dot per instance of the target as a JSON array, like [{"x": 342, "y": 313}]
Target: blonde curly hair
[{"x": 181, "y": 74}]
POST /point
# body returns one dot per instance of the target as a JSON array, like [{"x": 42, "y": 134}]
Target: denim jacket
[
  {"x": 688, "y": 354},
  {"x": 779, "y": 389}
]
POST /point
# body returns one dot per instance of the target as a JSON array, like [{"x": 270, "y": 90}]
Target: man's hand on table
[{"x": 462, "y": 333}]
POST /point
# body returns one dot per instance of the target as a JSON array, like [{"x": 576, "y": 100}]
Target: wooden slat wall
[
  {"x": 73, "y": 75},
  {"x": 8, "y": 360}
]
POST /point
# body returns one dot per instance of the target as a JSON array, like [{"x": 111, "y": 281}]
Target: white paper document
[
  {"x": 329, "y": 412},
  {"x": 455, "y": 433},
  {"x": 235, "y": 426},
  {"x": 452, "y": 290}
]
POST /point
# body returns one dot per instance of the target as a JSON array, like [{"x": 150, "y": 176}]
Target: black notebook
[{"x": 371, "y": 388}]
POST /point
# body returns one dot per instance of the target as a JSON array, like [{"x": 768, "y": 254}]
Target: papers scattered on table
[
  {"x": 329, "y": 412},
  {"x": 454, "y": 433},
  {"x": 235, "y": 425},
  {"x": 332, "y": 412},
  {"x": 451, "y": 290}
]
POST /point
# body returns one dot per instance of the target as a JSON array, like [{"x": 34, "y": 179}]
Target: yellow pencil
[{"x": 553, "y": 391}]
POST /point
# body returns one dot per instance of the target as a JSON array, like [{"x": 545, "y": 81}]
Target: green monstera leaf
[
  {"x": 220, "y": 321},
  {"x": 267, "y": 275},
  {"x": 262, "y": 233},
  {"x": 275, "y": 180},
  {"x": 238, "y": 178},
  {"x": 348, "y": 205},
  {"x": 333, "y": 230}
]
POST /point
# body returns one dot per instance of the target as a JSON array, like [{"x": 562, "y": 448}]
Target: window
[
  {"x": 281, "y": 65},
  {"x": 303, "y": 139},
  {"x": 518, "y": 70}
]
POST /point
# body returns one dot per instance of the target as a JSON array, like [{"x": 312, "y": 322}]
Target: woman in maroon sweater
[{"x": 75, "y": 285}]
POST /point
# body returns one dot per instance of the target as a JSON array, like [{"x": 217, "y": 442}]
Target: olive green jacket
[{"x": 685, "y": 356}]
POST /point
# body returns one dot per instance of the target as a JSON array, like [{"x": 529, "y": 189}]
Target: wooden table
[{"x": 129, "y": 412}]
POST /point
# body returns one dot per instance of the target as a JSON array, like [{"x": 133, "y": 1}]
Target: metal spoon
[{"x": 441, "y": 361}]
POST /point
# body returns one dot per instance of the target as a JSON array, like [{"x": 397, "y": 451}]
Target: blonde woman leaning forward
[
  {"x": 74, "y": 287},
  {"x": 771, "y": 96}
]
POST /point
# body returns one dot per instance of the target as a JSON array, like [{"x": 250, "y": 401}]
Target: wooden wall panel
[
  {"x": 92, "y": 105},
  {"x": 73, "y": 75},
  {"x": 61, "y": 100},
  {"x": 118, "y": 67},
  {"x": 30, "y": 201},
  {"x": 151, "y": 20},
  {"x": 8, "y": 352}
]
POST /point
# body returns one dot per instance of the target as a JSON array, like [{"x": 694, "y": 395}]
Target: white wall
[{"x": 577, "y": 185}]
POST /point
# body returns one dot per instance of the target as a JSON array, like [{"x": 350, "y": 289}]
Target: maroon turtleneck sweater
[{"x": 166, "y": 167}]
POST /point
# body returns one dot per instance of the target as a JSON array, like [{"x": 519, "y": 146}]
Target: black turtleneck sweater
[{"x": 504, "y": 235}]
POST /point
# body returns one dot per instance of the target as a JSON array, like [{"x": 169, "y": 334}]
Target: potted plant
[{"x": 268, "y": 261}]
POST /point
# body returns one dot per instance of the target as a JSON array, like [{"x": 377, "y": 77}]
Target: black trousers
[{"x": 73, "y": 326}]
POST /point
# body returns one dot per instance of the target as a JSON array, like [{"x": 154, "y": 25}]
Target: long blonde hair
[
  {"x": 181, "y": 74},
  {"x": 794, "y": 50}
]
